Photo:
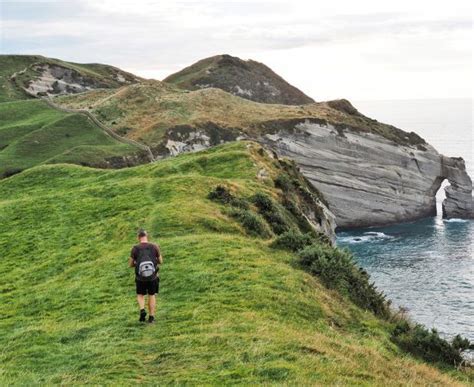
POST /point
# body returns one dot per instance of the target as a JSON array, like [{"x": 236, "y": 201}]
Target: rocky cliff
[{"x": 369, "y": 180}]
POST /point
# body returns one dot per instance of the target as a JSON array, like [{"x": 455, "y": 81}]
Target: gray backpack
[{"x": 146, "y": 264}]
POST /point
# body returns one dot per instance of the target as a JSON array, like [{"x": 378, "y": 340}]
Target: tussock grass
[{"x": 231, "y": 308}]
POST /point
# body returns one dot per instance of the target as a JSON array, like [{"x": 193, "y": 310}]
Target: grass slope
[
  {"x": 32, "y": 133},
  {"x": 231, "y": 309},
  {"x": 144, "y": 111}
]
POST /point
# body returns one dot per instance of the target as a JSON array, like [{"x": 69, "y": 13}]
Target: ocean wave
[
  {"x": 455, "y": 220},
  {"x": 370, "y": 236}
]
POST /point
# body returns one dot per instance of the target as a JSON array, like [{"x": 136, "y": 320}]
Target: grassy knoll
[
  {"x": 32, "y": 133},
  {"x": 145, "y": 111},
  {"x": 231, "y": 310}
]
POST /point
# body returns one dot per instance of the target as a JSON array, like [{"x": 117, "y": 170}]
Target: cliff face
[{"x": 368, "y": 180}]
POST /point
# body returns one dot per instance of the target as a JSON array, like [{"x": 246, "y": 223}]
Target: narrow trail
[
  {"x": 87, "y": 113},
  {"x": 109, "y": 131}
]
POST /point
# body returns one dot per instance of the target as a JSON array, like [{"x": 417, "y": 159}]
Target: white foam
[
  {"x": 369, "y": 236},
  {"x": 455, "y": 220}
]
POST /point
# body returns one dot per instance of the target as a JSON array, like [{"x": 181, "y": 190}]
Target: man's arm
[
  {"x": 131, "y": 262},
  {"x": 158, "y": 252}
]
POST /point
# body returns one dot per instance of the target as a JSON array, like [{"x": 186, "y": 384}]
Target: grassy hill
[
  {"x": 245, "y": 78},
  {"x": 32, "y": 133},
  {"x": 146, "y": 111},
  {"x": 23, "y": 65},
  {"x": 232, "y": 309}
]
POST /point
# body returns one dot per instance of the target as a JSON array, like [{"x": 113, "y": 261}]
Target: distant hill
[
  {"x": 48, "y": 76},
  {"x": 245, "y": 78},
  {"x": 32, "y": 132}
]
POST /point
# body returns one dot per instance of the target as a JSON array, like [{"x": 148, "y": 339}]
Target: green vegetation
[
  {"x": 231, "y": 308},
  {"x": 148, "y": 110},
  {"x": 428, "y": 345},
  {"x": 32, "y": 133}
]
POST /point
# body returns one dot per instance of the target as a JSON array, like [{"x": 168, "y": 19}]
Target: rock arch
[{"x": 458, "y": 202}]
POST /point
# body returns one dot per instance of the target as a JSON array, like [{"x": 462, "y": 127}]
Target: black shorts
[{"x": 148, "y": 287}]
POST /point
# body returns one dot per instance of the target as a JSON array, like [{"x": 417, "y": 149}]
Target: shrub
[
  {"x": 271, "y": 212},
  {"x": 251, "y": 222},
  {"x": 10, "y": 172},
  {"x": 283, "y": 182},
  {"x": 428, "y": 345},
  {"x": 337, "y": 270},
  {"x": 292, "y": 240},
  {"x": 222, "y": 195}
]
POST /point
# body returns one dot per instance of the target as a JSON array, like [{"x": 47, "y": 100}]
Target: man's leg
[
  {"x": 152, "y": 305},
  {"x": 141, "y": 304},
  {"x": 141, "y": 301}
]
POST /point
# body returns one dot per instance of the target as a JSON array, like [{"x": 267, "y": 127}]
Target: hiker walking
[{"x": 146, "y": 257}]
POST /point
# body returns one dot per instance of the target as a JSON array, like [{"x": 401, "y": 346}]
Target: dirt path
[{"x": 87, "y": 113}]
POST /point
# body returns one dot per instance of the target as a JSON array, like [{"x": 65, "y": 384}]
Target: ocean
[{"x": 427, "y": 266}]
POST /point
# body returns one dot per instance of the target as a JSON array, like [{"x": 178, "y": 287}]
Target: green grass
[
  {"x": 231, "y": 308},
  {"x": 32, "y": 133}
]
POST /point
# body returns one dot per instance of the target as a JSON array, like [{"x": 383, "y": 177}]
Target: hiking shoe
[
  {"x": 142, "y": 315},
  {"x": 151, "y": 319}
]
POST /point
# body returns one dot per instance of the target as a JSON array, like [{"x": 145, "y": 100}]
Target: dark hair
[{"x": 142, "y": 233}]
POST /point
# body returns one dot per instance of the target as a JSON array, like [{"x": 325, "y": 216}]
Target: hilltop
[
  {"x": 48, "y": 76},
  {"x": 248, "y": 79},
  {"x": 233, "y": 308}
]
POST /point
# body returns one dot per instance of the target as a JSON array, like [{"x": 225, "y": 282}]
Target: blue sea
[{"x": 426, "y": 267}]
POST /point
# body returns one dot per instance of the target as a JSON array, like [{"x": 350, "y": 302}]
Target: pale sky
[{"x": 360, "y": 50}]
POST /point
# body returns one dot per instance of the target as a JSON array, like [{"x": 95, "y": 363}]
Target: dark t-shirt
[{"x": 137, "y": 249}]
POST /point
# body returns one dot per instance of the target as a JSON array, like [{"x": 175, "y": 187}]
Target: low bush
[
  {"x": 292, "y": 240},
  {"x": 222, "y": 195},
  {"x": 271, "y": 212},
  {"x": 337, "y": 270},
  {"x": 252, "y": 223},
  {"x": 428, "y": 344}
]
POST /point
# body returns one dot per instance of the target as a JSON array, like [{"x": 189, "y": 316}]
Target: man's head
[{"x": 142, "y": 235}]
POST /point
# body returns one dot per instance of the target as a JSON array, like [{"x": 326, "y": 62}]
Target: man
[{"x": 146, "y": 257}]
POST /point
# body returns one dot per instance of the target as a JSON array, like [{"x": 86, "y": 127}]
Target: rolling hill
[
  {"x": 244, "y": 78},
  {"x": 32, "y": 132},
  {"x": 233, "y": 308}
]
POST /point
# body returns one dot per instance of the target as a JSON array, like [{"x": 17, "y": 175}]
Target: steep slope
[
  {"x": 48, "y": 76},
  {"x": 369, "y": 172},
  {"x": 245, "y": 78},
  {"x": 231, "y": 309},
  {"x": 32, "y": 133}
]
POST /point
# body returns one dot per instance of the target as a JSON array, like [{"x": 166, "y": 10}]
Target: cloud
[{"x": 153, "y": 37}]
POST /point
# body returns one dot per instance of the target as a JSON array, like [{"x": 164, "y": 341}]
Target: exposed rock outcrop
[
  {"x": 49, "y": 79},
  {"x": 369, "y": 180}
]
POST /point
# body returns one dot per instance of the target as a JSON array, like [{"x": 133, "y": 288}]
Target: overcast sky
[{"x": 359, "y": 49}]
